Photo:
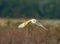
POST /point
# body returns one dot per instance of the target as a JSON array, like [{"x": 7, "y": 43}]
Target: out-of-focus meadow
[
  {"x": 14, "y": 12},
  {"x": 31, "y": 34}
]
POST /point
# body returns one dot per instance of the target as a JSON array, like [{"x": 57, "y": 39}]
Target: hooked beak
[{"x": 38, "y": 24}]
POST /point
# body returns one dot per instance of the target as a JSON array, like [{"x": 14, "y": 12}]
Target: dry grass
[{"x": 31, "y": 34}]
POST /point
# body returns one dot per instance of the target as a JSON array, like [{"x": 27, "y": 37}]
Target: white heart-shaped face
[{"x": 33, "y": 20}]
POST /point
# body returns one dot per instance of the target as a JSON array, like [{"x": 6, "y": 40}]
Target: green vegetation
[{"x": 47, "y": 9}]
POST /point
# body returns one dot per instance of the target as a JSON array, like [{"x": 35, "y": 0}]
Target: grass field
[{"x": 31, "y": 34}]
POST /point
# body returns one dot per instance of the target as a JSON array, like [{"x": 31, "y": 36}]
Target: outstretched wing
[
  {"x": 23, "y": 24},
  {"x": 39, "y": 24}
]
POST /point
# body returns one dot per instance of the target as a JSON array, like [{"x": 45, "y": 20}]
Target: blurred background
[
  {"x": 14, "y": 12},
  {"x": 46, "y": 9}
]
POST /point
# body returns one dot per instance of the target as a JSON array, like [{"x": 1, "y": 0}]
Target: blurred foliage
[{"x": 30, "y": 9}]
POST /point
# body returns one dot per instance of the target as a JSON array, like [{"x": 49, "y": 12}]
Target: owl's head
[{"x": 33, "y": 20}]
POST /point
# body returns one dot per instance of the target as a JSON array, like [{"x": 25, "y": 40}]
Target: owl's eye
[{"x": 33, "y": 21}]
